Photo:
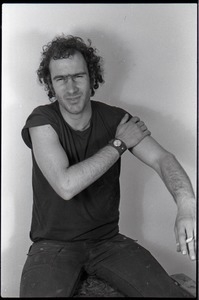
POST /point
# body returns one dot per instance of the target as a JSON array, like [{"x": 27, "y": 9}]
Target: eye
[
  {"x": 79, "y": 76},
  {"x": 59, "y": 79}
]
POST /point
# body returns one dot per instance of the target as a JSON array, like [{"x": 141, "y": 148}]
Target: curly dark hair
[{"x": 63, "y": 47}]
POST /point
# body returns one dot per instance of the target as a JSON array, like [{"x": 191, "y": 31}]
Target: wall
[{"x": 149, "y": 55}]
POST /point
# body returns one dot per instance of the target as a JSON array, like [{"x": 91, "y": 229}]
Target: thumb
[{"x": 124, "y": 119}]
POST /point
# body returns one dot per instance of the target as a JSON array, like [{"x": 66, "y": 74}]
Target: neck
[{"x": 80, "y": 121}]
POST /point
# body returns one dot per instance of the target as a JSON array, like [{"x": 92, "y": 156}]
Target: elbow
[
  {"x": 65, "y": 191},
  {"x": 66, "y": 186},
  {"x": 66, "y": 195},
  {"x": 169, "y": 157},
  {"x": 165, "y": 160}
]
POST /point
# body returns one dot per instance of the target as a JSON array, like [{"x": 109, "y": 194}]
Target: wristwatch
[{"x": 119, "y": 145}]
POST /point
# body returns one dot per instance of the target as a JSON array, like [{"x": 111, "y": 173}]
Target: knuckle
[{"x": 136, "y": 119}]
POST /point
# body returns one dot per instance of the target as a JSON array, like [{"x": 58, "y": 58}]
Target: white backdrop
[{"x": 149, "y": 53}]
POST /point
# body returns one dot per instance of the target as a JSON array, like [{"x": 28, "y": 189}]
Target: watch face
[{"x": 117, "y": 143}]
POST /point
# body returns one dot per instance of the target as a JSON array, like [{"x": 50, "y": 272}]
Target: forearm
[
  {"x": 79, "y": 176},
  {"x": 180, "y": 187},
  {"x": 176, "y": 179}
]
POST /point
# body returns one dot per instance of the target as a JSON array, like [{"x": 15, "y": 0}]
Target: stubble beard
[{"x": 75, "y": 107}]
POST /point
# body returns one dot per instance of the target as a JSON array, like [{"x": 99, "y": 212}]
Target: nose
[{"x": 71, "y": 86}]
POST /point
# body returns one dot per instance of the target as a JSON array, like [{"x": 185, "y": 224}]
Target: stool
[
  {"x": 92, "y": 286},
  {"x": 186, "y": 283}
]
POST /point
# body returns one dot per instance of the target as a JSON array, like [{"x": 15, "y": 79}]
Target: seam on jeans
[
  {"x": 73, "y": 289},
  {"x": 123, "y": 280},
  {"x": 55, "y": 257}
]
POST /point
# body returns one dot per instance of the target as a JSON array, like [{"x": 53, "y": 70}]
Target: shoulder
[
  {"x": 108, "y": 111},
  {"x": 40, "y": 116},
  {"x": 106, "y": 107}
]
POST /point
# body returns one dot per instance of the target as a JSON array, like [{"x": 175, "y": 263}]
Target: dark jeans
[{"x": 53, "y": 269}]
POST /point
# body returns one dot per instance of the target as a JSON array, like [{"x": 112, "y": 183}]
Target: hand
[
  {"x": 131, "y": 132},
  {"x": 185, "y": 229}
]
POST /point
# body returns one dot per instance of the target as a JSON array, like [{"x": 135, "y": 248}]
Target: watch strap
[{"x": 119, "y": 145}]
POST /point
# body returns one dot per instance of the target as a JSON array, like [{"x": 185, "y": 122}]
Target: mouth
[{"x": 73, "y": 99}]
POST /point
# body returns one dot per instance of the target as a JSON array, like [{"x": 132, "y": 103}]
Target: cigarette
[{"x": 189, "y": 240}]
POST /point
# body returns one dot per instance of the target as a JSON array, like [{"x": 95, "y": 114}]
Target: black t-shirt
[{"x": 94, "y": 212}]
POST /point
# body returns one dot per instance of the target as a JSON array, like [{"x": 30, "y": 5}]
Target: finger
[
  {"x": 124, "y": 119},
  {"x": 191, "y": 244},
  {"x": 191, "y": 249},
  {"x": 140, "y": 123},
  {"x": 146, "y": 133},
  {"x": 177, "y": 240},
  {"x": 182, "y": 242},
  {"x": 135, "y": 119},
  {"x": 178, "y": 249},
  {"x": 186, "y": 242},
  {"x": 143, "y": 127}
]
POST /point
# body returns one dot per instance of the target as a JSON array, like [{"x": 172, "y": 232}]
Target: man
[{"x": 77, "y": 144}]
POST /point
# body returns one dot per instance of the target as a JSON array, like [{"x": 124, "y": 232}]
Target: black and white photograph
[{"x": 99, "y": 150}]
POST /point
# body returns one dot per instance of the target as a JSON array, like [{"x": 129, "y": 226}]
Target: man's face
[{"x": 71, "y": 82}]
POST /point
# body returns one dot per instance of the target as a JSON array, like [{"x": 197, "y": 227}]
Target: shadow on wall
[
  {"x": 118, "y": 64},
  {"x": 16, "y": 204},
  {"x": 18, "y": 104}
]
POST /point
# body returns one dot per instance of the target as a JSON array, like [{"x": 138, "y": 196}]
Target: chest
[{"x": 80, "y": 145}]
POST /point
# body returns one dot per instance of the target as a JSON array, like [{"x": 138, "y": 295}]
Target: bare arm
[
  {"x": 168, "y": 168},
  {"x": 68, "y": 180},
  {"x": 178, "y": 184}
]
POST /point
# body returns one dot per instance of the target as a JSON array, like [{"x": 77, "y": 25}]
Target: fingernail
[
  {"x": 184, "y": 252},
  {"x": 193, "y": 257}
]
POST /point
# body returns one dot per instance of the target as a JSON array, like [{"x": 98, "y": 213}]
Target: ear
[
  {"x": 92, "y": 92},
  {"x": 91, "y": 88},
  {"x": 50, "y": 86}
]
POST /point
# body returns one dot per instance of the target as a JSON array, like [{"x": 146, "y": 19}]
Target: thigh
[
  {"x": 51, "y": 270},
  {"x": 132, "y": 269}
]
